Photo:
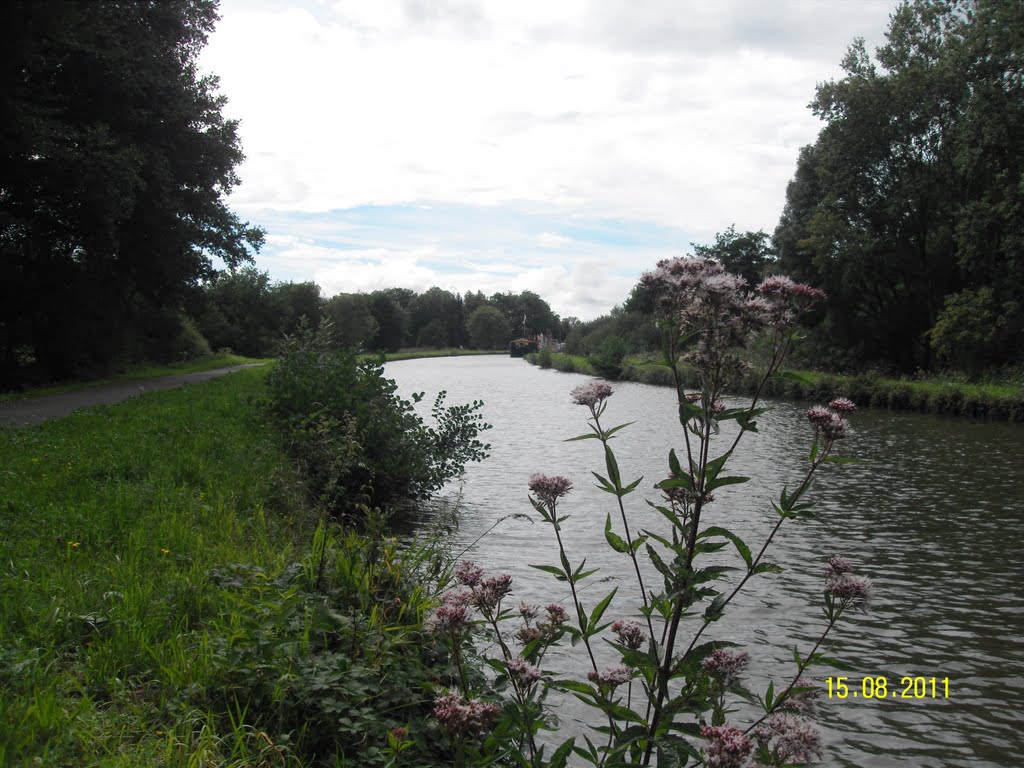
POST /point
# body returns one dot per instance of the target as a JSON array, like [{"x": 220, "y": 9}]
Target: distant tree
[
  {"x": 434, "y": 334},
  {"x": 435, "y": 304},
  {"x": 748, "y": 255},
  {"x": 488, "y": 328},
  {"x": 240, "y": 310},
  {"x": 299, "y": 300},
  {"x": 352, "y": 318},
  {"x": 115, "y": 162},
  {"x": 529, "y": 309},
  {"x": 391, "y": 322}
]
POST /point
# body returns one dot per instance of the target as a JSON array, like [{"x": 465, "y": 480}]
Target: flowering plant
[{"x": 666, "y": 701}]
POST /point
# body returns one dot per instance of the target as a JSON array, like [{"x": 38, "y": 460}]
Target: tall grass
[{"x": 163, "y": 593}]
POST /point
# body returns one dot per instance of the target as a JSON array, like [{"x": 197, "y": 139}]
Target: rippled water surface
[{"x": 934, "y": 514}]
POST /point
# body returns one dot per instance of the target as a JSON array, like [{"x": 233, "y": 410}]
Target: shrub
[{"x": 357, "y": 443}]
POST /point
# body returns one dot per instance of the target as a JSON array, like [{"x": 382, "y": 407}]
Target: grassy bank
[
  {"x": 208, "y": 363},
  {"x": 1004, "y": 403},
  {"x": 165, "y": 600},
  {"x": 415, "y": 353}
]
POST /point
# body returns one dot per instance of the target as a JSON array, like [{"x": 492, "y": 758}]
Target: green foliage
[
  {"x": 488, "y": 328},
  {"x": 748, "y": 255},
  {"x": 973, "y": 330},
  {"x": 608, "y": 360},
  {"x": 351, "y": 319},
  {"x": 117, "y": 162},
  {"x": 911, "y": 193},
  {"x": 356, "y": 441}
]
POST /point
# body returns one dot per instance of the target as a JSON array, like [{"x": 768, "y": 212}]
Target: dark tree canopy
[
  {"x": 909, "y": 208},
  {"x": 115, "y": 159}
]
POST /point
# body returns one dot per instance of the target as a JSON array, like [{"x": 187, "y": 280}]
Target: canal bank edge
[{"x": 866, "y": 390}]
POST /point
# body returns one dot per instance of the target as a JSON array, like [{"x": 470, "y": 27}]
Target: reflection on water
[{"x": 934, "y": 513}]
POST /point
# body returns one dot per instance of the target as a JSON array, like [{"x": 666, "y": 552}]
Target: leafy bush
[
  {"x": 356, "y": 442},
  {"x": 608, "y": 360}
]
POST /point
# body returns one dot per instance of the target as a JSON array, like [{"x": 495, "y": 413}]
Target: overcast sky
[{"x": 560, "y": 146}]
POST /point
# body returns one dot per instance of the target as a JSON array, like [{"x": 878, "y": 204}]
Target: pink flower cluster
[
  {"x": 547, "y": 629},
  {"x": 725, "y": 665},
  {"x": 449, "y": 619},
  {"x": 791, "y": 739},
  {"x": 727, "y": 747},
  {"x": 592, "y": 394},
  {"x": 716, "y": 308},
  {"x": 548, "y": 489},
  {"x": 842, "y": 584},
  {"x": 461, "y": 717},
  {"x": 522, "y": 673},
  {"x": 802, "y": 702},
  {"x": 629, "y": 633},
  {"x": 830, "y": 423},
  {"x": 612, "y": 676}
]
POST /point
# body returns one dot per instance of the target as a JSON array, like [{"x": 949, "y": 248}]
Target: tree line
[{"x": 244, "y": 311}]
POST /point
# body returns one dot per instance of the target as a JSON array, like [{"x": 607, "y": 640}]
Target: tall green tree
[
  {"x": 488, "y": 328},
  {"x": 913, "y": 192},
  {"x": 115, "y": 159},
  {"x": 352, "y": 319}
]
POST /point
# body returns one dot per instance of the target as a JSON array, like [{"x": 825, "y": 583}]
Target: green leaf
[
  {"x": 632, "y": 486},
  {"x": 613, "y": 430},
  {"x": 841, "y": 460},
  {"x": 561, "y": 755},
  {"x": 605, "y": 485},
  {"x": 769, "y": 697},
  {"x": 711, "y": 485},
  {"x": 588, "y": 436},
  {"x": 673, "y": 464},
  {"x": 614, "y": 540},
  {"x": 552, "y": 569},
  {"x": 740, "y": 545},
  {"x": 766, "y": 567},
  {"x": 600, "y": 608},
  {"x": 613, "y": 467},
  {"x": 714, "y": 611},
  {"x": 715, "y": 466}
]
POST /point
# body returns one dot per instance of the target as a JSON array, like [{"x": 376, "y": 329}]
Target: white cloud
[{"x": 687, "y": 115}]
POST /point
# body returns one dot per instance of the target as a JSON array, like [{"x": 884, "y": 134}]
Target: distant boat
[{"x": 522, "y": 347}]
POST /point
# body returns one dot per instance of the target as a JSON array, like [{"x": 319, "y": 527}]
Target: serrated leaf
[
  {"x": 766, "y": 567},
  {"x": 588, "y": 436}
]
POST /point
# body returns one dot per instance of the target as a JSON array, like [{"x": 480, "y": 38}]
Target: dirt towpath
[{"x": 35, "y": 410}]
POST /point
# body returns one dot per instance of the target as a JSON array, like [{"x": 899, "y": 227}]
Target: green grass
[
  {"x": 208, "y": 363},
  {"x": 940, "y": 395},
  {"x": 168, "y": 598},
  {"x": 110, "y": 524}
]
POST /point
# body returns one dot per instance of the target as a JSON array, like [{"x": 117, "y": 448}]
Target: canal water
[{"x": 933, "y": 514}]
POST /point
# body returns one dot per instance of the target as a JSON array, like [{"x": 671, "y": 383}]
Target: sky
[{"x": 557, "y": 146}]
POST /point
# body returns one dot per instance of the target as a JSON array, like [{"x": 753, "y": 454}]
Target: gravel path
[{"x": 34, "y": 410}]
